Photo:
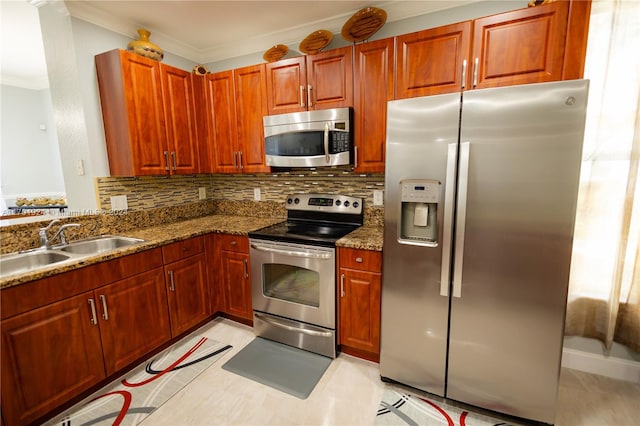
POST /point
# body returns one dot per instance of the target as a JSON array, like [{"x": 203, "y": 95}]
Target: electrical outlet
[
  {"x": 378, "y": 197},
  {"x": 119, "y": 202},
  {"x": 202, "y": 193},
  {"x": 256, "y": 194}
]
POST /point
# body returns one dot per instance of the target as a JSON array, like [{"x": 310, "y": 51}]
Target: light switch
[
  {"x": 202, "y": 193},
  {"x": 256, "y": 194}
]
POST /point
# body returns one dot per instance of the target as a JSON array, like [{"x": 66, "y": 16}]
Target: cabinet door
[
  {"x": 250, "y": 90},
  {"x": 236, "y": 284},
  {"x": 373, "y": 88},
  {"x": 330, "y": 79},
  {"x": 222, "y": 121},
  {"x": 48, "y": 356},
  {"x": 179, "y": 108},
  {"x": 134, "y": 319},
  {"x": 360, "y": 310},
  {"x": 143, "y": 96},
  {"x": 520, "y": 47},
  {"x": 187, "y": 293},
  {"x": 287, "y": 86},
  {"x": 430, "y": 62}
]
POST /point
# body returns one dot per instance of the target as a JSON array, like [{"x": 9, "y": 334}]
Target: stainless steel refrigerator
[{"x": 480, "y": 201}]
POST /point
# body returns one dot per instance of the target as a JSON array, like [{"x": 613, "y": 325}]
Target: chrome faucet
[{"x": 45, "y": 242}]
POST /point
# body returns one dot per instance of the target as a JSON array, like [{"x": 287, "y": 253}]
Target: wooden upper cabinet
[
  {"x": 180, "y": 119},
  {"x": 236, "y": 104},
  {"x": 148, "y": 111},
  {"x": 330, "y": 79},
  {"x": 287, "y": 85},
  {"x": 320, "y": 81},
  {"x": 430, "y": 62},
  {"x": 133, "y": 115},
  {"x": 221, "y": 106},
  {"x": 519, "y": 47},
  {"x": 373, "y": 88},
  {"x": 251, "y": 102}
]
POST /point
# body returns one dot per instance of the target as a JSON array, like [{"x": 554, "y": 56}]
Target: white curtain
[{"x": 604, "y": 288}]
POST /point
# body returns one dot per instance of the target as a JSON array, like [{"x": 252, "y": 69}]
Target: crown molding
[{"x": 396, "y": 10}]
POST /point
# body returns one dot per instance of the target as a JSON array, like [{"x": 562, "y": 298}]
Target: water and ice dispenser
[{"x": 419, "y": 212}]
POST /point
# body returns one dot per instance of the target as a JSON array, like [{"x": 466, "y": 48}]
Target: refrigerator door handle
[
  {"x": 447, "y": 229},
  {"x": 463, "y": 180}
]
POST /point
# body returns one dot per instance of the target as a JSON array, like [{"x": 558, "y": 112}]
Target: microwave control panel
[{"x": 339, "y": 142}]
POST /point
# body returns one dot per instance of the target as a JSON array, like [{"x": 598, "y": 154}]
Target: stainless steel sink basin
[
  {"x": 99, "y": 245},
  {"x": 24, "y": 262},
  {"x": 33, "y": 260}
]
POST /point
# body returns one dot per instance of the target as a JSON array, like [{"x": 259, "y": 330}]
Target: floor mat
[
  {"x": 399, "y": 408},
  {"x": 279, "y": 366},
  {"x": 144, "y": 389}
]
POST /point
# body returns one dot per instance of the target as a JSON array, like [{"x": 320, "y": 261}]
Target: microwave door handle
[{"x": 326, "y": 142}]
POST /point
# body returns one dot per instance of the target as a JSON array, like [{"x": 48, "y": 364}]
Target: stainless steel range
[{"x": 293, "y": 270}]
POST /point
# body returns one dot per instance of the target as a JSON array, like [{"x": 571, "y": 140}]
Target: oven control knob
[
  {"x": 289, "y": 201},
  {"x": 338, "y": 202},
  {"x": 297, "y": 201},
  {"x": 346, "y": 203},
  {"x": 355, "y": 204}
]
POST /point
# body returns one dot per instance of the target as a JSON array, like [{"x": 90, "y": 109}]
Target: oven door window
[{"x": 291, "y": 283}]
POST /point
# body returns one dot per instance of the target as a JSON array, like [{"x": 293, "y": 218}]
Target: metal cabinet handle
[
  {"x": 359, "y": 259},
  {"x": 94, "y": 317},
  {"x": 326, "y": 142},
  {"x": 464, "y": 73},
  {"x": 172, "y": 286},
  {"x": 166, "y": 160},
  {"x": 461, "y": 218},
  {"x": 233, "y": 243},
  {"x": 475, "y": 72},
  {"x": 309, "y": 95},
  {"x": 355, "y": 157},
  {"x": 447, "y": 229},
  {"x": 240, "y": 160},
  {"x": 341, "y": 285},
  {"x": 302, "y": 104},
  {"x": 245, "y": 268},
  {"x": 175, "y": 163},
  {"x": 105, "y": 313}
]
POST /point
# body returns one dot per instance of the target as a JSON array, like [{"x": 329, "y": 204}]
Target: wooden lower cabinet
[
  {"x": 48, "y": 356},
  {"x": 68, "y": 332},
  {"x": 234, "y": 279},
  {"x": 133, "y": 318},
  {"x": 360, "y": 285},
  {"x": 187, "y": 289}
]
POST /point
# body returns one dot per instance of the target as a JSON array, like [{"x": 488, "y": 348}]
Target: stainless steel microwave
[{"x": 309, "y": 139}]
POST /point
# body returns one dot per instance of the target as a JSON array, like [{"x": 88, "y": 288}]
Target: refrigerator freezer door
[
  {"x": 524, "y": 154},
  {"x": 422, "y": 134}
]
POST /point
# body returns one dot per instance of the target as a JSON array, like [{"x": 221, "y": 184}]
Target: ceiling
[{"x": 201, "y": 31}]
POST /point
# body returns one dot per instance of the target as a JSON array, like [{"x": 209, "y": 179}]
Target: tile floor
[{"x": 349, "y": 393}]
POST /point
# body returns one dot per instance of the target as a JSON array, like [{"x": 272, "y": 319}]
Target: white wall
[{"x": 30, "y": 159}]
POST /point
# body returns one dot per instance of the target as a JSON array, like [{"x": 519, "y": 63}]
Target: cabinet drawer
[
  {"x": 364, "y": 260},
  {"x": 237, "y": 243},
  {"x": 182, "y": 249}
]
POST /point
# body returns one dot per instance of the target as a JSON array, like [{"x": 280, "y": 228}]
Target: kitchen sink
[
  {"x": 24, "y": 262},
  {"x": 33, "y": 260},
  {"x": 99, "y": 245}
]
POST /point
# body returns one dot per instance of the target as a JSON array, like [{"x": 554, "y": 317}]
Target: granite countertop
[{"x": 365, "y": 237}]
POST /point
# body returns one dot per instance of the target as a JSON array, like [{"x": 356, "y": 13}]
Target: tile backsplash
[{"x": 153, "y": 192}]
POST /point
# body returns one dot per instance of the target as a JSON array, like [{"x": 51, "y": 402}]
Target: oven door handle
[
  {"x": 289, "y": 328},
  {"x": 308, "y": 255}
]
